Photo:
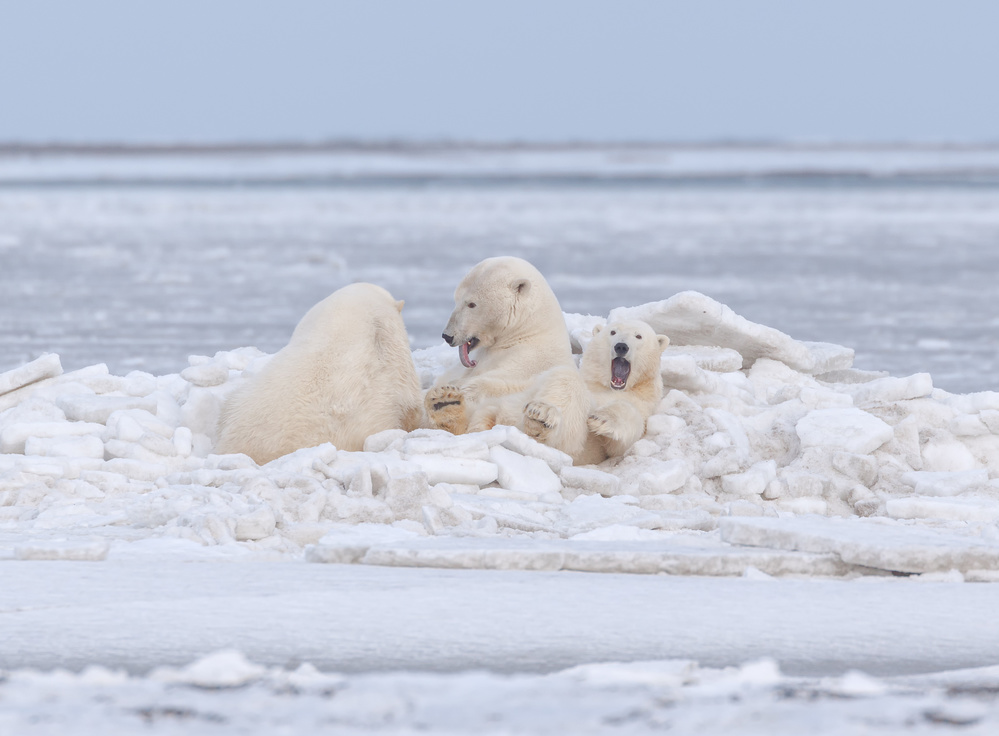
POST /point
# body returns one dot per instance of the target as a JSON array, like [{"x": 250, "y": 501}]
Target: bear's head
[
  {"x": 358, "y": 298},
  {"x": 623, "y": 355},
  {"x": 499, "y": 301}
]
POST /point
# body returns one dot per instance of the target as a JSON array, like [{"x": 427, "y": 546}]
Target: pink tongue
[
  {"x": 463, "y": 355},
  {"x": 620, "y": 370}
]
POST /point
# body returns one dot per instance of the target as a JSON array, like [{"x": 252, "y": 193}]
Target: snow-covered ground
[
  {"x": 225, "y": 693},
  {"x": 798, "y": 544}
]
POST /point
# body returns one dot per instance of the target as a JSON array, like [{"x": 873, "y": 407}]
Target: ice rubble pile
[{"x": 766, "y": 453}]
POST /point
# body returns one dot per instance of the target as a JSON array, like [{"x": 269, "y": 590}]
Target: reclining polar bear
[
  {"x": 517, "y": 366},
  {"x": 347, "y": 373}
]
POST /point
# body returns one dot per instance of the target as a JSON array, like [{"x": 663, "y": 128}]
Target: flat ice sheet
[{"x": 139, "y": 615}]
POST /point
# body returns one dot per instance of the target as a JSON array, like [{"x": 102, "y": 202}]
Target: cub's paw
[
  {"x": 540, "y": 419},
  {"x": 602, "y": 425},
  {"x": 446, "y": 409}
]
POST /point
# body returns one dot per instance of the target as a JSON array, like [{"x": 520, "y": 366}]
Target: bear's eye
[
  {"x": 471, "y": 305},
  {"x": 613, "y": 332},
  {"x": 639, "y": 337}
]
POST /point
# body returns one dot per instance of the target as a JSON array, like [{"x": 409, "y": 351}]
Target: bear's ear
[
  {"x": 663, "y": 342},
  {"x": 400, "y": 304},
  {"x": 596, "y": 330},
  {"x": 521, "y": 286}
]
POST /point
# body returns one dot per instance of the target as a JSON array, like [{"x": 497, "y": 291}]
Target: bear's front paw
[
  {"x": 540, "y": 419},
  {"x": 602, "y": 425},
  {"x": 446, "y": 409}
]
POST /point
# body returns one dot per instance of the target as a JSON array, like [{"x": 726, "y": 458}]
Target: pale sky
[{"x": 217, "y": 70}]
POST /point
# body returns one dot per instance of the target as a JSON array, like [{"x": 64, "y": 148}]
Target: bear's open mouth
[
  {"x": 620, "y": 370},
  {"x": 463, "y": 352}
]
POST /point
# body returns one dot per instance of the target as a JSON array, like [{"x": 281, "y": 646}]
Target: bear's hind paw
[
  {"x": 443, "y": 396},
  {"x": 446, "y": 409}
]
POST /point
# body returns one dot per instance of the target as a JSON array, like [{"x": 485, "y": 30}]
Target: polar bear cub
[
  {"x": 621, "y": 370},
  {"x": 347, "y": 373},
  {"x": 516, "y": 360}
]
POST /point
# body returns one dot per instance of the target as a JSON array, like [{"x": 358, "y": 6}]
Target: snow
[
  {"x": 369, "y": 618},
  {"x": 818, "y": 540},
  {"x": 638, "y": 698}
]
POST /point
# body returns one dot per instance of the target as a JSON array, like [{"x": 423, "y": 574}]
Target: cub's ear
[
  {"x": 400, "y": 304},
  {"x": 521, "y": 286},
  {"x": 663, "y": 342},
  {"x": 596, "y": 330}
]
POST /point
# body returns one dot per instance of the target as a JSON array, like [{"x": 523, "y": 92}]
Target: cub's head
[
  {"x": 489, "y": 303},
  {"x": 623, "y": 355}
]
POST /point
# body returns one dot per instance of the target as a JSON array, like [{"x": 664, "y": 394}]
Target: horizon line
[{"x": 403, "y": 144}]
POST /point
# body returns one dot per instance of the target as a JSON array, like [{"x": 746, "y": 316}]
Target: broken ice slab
[
  {"x": 478, "y": 554},
  {"x": 347, "y": 543},
  {"x": 965, "y": 508},
  {"x": 848, "y": 429},
  {"x": 591, "y": 480},
  {"x": 461, "y": 470},
  {"x": 47, "y": 366},
  {"x": 891, "y": 389},
  {"x": 14, "y": 437},
  {"x": 682, "y": 372},
  {"x": 518, "y": 472},
  {"x": 514, "y": 439},
  {"x": 98, "y": 409},
  {"x": 92, "y": 378},
  {"x": 84, "y": 446},
  {"x": 869, "y": 543},
  {"x": 642, "y": 557},
  {"x": 707, "y": 357},
  {"x": 941, "y": 483},
  {"x": 93, "y": 549},
  {"x": 691, "y": 318}
]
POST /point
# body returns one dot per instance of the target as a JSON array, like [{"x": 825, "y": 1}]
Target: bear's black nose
[
  {"x": 621, "y": 348},
  {"x": 449, "y": 339}
]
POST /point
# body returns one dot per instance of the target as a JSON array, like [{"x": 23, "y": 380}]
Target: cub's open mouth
[
  {"x": 620, "y": 370},
  {"x": 463, "y": 350}
]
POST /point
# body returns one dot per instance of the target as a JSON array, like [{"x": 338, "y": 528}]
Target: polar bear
[
  {"x": 347, "y": 373},
  {"x": 522, "y": 372},
  {"x": 621, "y": 370}
]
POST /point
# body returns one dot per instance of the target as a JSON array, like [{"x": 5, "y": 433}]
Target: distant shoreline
[
  {"x": 472, "y": 164},
  {"x": 404, "y": 146}
]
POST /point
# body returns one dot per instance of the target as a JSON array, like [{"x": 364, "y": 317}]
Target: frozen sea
[
  {"x": 139, "y": 259},
  {"x": 855, "y": 594}
]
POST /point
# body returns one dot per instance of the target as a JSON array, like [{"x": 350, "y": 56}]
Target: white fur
[
  {"x": 347, "y": 373},
  {"x": 618, "y": 416},
  {"x": 524, "y": 374}
]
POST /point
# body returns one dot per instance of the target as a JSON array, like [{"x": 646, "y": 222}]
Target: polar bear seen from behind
[
  {"x": 522, "y": 372},
  {"x": 346, "y": 373},
  {"x": 621, "y": 370}
]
